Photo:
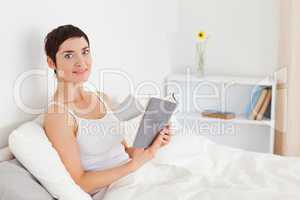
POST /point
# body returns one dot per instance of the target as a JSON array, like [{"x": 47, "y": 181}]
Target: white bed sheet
[{"x": 211, "y": 171}]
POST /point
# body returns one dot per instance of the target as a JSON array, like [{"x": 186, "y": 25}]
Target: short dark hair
[{"x": 58, "y": 35}]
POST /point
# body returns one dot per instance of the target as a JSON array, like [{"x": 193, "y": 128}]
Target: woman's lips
[{"x": 80, "y": 71}]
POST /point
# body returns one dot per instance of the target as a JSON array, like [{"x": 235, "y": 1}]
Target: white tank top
[{"x": 99, "y": 140}]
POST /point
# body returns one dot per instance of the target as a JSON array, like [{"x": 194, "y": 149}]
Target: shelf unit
[
  {"x": 239, "y": 119},
  {"x": 233, "y": 94}
]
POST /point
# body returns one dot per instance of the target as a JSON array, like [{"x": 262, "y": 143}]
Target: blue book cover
[{"x": 255, "y": 94}]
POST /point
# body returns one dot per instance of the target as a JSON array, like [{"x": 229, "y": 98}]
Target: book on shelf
[
  {"x": 259, "y": 104},
  {"x": 218, "y": 114},
  {"x": 253, "y": 100},
  {"x": 264, "y": 106},
  {"x": 268, "y": 111}
]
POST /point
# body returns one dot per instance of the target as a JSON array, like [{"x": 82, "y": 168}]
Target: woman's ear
[{"x": 51, "y": 63}]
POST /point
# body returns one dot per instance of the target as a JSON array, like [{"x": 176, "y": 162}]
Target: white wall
[
  {"x": 140, "y": 37},
  {"x": 129, "y": 35},
  {"x": 243, "y": 35}
]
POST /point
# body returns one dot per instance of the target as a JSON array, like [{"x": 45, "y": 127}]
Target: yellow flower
[{"x": 201, "y": 36}]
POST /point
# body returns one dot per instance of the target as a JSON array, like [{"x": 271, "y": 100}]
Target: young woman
[{"x": 80, "y": 124}]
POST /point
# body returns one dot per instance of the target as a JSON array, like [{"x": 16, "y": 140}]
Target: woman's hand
[
  {"x": 163, "y": 138},
  {"x": 140, "y": 156}
]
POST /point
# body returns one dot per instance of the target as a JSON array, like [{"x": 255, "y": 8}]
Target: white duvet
[{"x": 192, "y": 167}]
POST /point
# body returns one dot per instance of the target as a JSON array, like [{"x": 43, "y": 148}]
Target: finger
[
  {"x": 165, "y": 143},
  {"x": 163, "y": 131},
  {"x": 169, "y": 129},
  {"x": 163, "y": 137},
  {"x": 158, "y": 139},
  {"x": 166, "y": 140},
  {"x": 166, "y": 137},
  {"x": 166, "y": 131},
  {"x": 170, "y": 132},
  {"x": 167, "y": 134}
]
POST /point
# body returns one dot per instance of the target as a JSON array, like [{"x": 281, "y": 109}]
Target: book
[
  {"x": 157, "y": 114},
  {"x": 264, "y": 106},
  {"x": 268, "y": 111},
  {"x": 218, "y": 114},
  {"x": 259, "y": 104},
  {"x": 253, "y": 100}
]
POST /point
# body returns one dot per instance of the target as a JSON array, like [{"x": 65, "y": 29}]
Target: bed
[
  {"x": 190, "y": 167},
  {"x": 213, "y": 171}
]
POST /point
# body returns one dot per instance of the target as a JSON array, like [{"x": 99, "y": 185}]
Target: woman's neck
[{"x": 68, "y": 92}]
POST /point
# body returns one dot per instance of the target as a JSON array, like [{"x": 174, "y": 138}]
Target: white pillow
[{"x": 31, "y": 147}]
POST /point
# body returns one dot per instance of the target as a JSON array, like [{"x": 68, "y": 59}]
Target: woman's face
[{"x": 73, "y": 60}]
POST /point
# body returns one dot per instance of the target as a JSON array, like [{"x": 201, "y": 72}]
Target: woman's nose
[{"x": 80, "y": 61}]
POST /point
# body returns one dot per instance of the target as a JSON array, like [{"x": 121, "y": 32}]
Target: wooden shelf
[
  {"x": 238, "y": 120},
  {"x": 263, "y": 81}
]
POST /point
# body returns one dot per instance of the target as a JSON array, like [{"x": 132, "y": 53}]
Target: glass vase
[{"x": 200, "y": 60}]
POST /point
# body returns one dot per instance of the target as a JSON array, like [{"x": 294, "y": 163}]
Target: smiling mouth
[{"x": 80, "y": 72}]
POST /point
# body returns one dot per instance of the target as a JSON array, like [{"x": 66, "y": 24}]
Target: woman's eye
[
  {"x": 68, "y": 56},
  {"x": 86, "y": 51}
]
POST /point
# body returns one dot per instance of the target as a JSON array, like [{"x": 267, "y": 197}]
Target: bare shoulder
[
  {"x": 55, "y": 113},
  {"x": 57, "y": 118}
]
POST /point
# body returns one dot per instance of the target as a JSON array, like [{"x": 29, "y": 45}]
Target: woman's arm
[
  {"x": 129, "y": 150},
  {"x": 92, "y": 180},
  {"x": 60, "y": 129},
  {"x": 164, "y": 137}
]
